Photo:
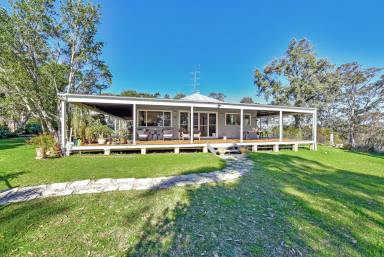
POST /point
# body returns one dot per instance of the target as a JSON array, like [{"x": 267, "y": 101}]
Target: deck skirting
[{"x": 176, "y": 148}]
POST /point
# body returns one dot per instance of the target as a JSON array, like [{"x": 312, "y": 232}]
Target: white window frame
[
  {"x": 146, "y": 120},
  {"x": 198, "y": 122},
  {"x": 245, "y": 114}
]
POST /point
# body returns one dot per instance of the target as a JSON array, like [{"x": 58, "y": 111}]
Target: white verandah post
[
  {"x": 281, "y": 126},
  {"x": 134, "y": 124},
  {"x": 191, "y": 131},
  {"x": 62, "y": 124},
  {"x": 241, "y": 124},
  {"x": 314, "y": 130}
]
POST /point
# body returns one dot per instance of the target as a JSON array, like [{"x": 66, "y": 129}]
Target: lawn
[
  {"x": 324, "y": 203},
  {"x": 19, "y": 168}
]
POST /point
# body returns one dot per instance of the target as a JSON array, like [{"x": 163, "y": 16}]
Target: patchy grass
[
  {"x": 325, "y": 203},
  {"x": 19, "y": 168}
]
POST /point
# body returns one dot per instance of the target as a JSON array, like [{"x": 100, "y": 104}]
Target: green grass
[
  {"x": 324, "y": 203},
  {"x": 19, "y": 168}
]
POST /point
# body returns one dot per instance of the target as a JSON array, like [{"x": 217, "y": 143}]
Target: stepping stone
[
  {"x": 79, "y": 183},
  {"x": 104, "y": 181},
  {"x": 57, "y": 186}
]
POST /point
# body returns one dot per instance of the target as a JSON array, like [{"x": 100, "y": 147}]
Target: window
[
  {"x": 233, "y": 119},
  {"x": 155, "y": 119}
]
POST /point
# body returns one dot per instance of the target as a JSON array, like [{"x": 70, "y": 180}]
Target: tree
[
  {"x": 134, "y": 93},
  {"x": 78, "y": 28},
  {"x": 246, "y": 100},
  {"x": 299, "y": 78},
  {"x": 217, "y": 96},
  {"x": 167, "y": 96},
  {"x": 47, "y": 48},
  {"x": 361, "y": 93},
  {"x": 179, "y": 96}
]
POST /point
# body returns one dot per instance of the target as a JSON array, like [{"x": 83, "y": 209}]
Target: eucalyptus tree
[
  {"x": 218, "y": 96},
  {"x": 179, "y": 96},
  {"x": 299, "y": 78},
  {"x": 246, "y": 100},
  {"x": 48, "y": 47},
  {"x": 361, "y": 97}
]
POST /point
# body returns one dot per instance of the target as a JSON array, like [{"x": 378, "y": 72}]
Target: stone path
[{"x": 236, "y": 167}]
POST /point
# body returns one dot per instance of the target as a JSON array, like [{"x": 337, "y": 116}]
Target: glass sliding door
[
  {"x": 203, "y": 125},
  {"x": 205, "y": 122},
  {"x": 212, "y": 131}
]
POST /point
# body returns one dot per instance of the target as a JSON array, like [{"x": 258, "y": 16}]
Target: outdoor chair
[
  {"x": 167, "y": 134},
  {"x": 196, "y": 134},
  {"x": 184, "y": 135},
  {"x": 143, "y": 134}
]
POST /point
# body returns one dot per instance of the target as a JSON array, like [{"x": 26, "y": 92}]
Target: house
[{"x": 166, "y": 123}]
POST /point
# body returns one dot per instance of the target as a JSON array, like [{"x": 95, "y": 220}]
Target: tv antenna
[{"x": 196, "y": 79}]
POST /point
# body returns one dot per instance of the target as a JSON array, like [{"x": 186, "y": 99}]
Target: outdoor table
[{"x": 155, "y": 134}]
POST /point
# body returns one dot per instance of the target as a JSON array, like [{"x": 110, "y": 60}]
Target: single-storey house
[{"x": 194, "y": 122}]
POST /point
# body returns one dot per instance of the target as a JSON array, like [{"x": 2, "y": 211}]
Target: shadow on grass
[
  {"x": 18, "y": 220},
  {"x": 10, "y": 143},
  {"x": 289, "y": 206},
  {"x": 6, "y": 178}
]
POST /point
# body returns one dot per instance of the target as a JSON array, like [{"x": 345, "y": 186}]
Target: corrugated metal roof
[{"x": 197, "y": 97}]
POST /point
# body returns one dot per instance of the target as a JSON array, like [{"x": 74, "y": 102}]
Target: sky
[{"x": 153, "y": 46}]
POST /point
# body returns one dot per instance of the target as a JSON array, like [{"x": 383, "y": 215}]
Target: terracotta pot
[
  {"x": 101, "y": 141},
  {"x": 40, "y": 153}
]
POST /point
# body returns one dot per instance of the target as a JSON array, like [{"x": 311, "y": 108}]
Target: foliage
[
  {"x": 218, "y": 96},
  {"x": 81, "y": 122},
  {"x": 134, "y": 93},
  {"x": 47, "y": 47},
  {"x": 346, "y": 97},
  {"x": 45, "y": 141},
  {"x": 167, "y": 96},
  {"x": 101, "y": 131},
  {"x": 299, "y": 78},
  {"x": 124, "y": 133},
  {"x": 5, "y": 133},
  {"x": 33, "y": 128},
  {"x": 246, "y": 100},
  {"x": 179, "y": 96},
  {"x": 360, "y": 94}
]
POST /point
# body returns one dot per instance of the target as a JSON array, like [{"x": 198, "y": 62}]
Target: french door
[{"x": 205, "y": 122}]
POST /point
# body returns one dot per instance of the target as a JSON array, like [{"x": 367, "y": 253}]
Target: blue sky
[{"x": 153, "y": 45}]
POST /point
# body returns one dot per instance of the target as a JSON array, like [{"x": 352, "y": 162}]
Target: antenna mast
[{"x": 196, "y": 79}]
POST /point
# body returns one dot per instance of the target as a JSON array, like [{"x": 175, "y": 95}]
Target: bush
[
  {"x": 45, "y": 141},
  {"x": 101, "y": 131},
  {"x": 5, "y": 133},
  {"x": 33, "y": 128}
]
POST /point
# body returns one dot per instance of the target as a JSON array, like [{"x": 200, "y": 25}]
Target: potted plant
[
  {"x": 101, "y": 132},
  {"x": 123, "y": 134},
  {"x": 43, "y": 143}
]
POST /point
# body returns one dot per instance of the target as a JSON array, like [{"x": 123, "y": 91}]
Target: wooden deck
[
  {"x": 202, "y": 145},
  {"x": 209, "y": 141}
]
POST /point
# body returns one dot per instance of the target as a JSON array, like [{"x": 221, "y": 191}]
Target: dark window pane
[
  {"x": 167, "y": 119},
  {"x": 154, "y": 119},
  {"x": 142, "y": 118},
  {"x": 212, "y": 118}
]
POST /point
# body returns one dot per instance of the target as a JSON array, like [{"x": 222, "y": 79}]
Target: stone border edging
[{"x": 233, "y": 170}]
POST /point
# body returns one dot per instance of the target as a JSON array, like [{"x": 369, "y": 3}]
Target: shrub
[
  {"x": 101, "y": 131},
  {"x": 5, "y": 133},
  {"x": 33, "y": 128},
  {"x": 45, "y": 141}
]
